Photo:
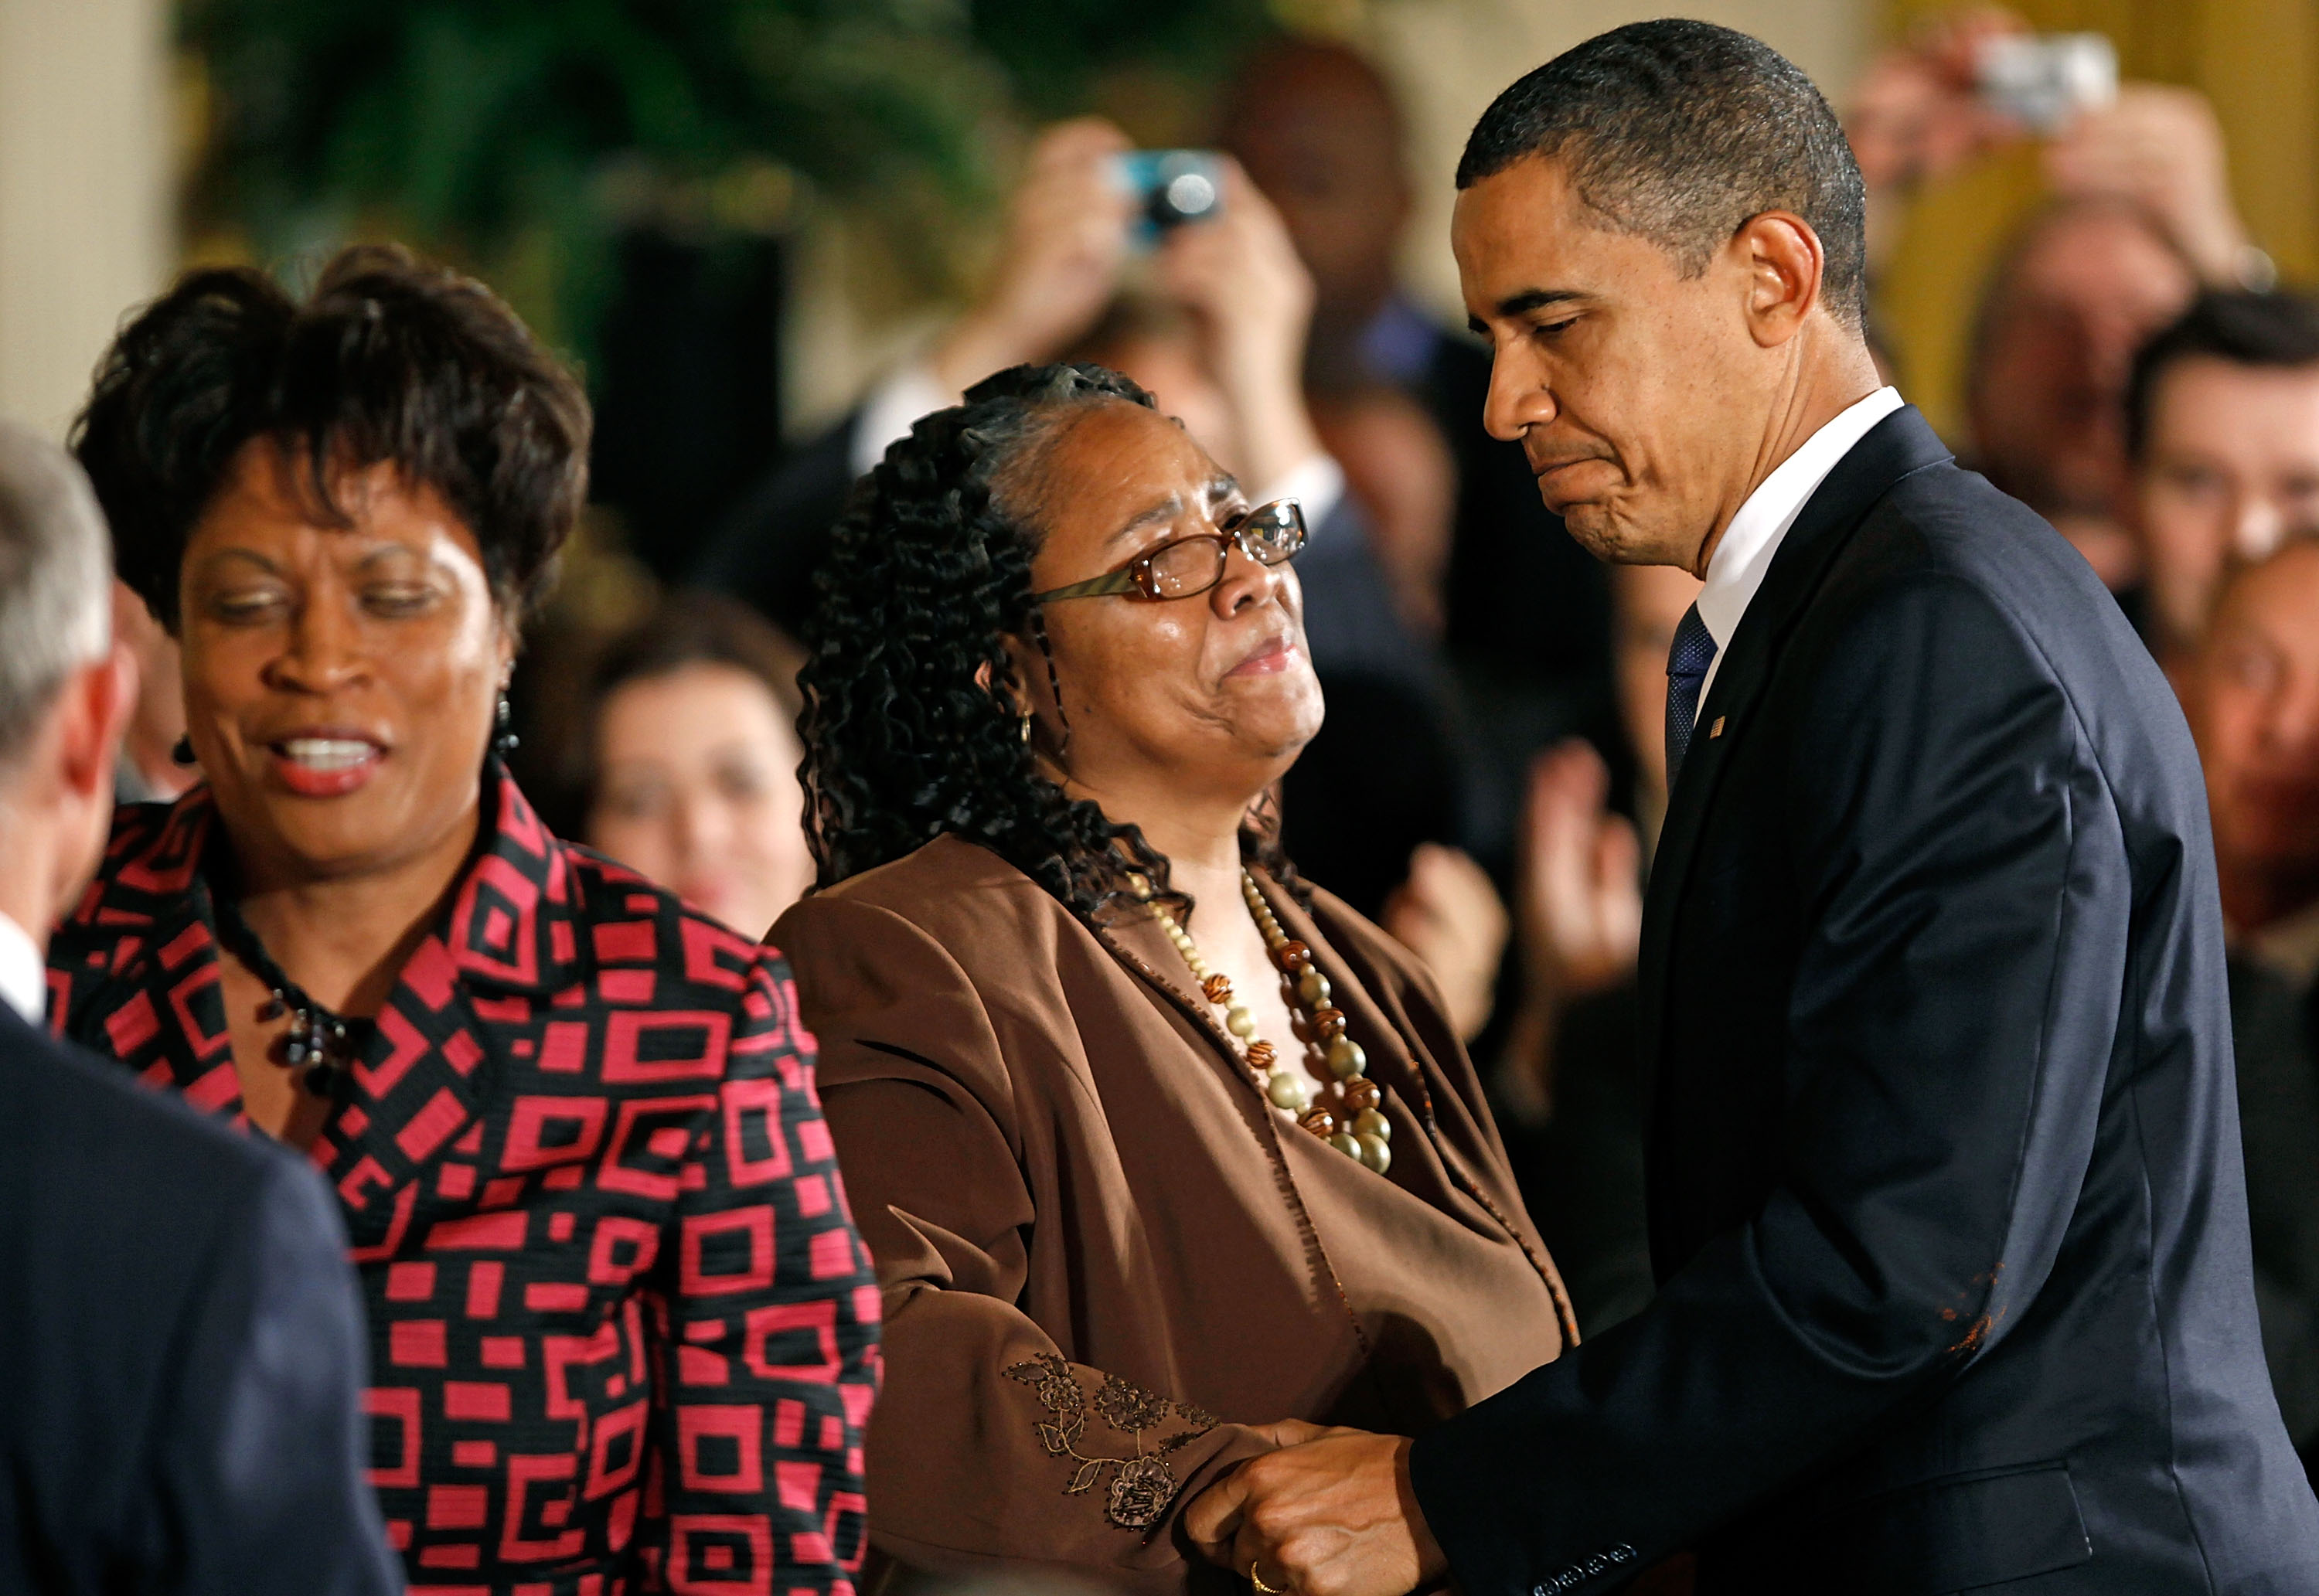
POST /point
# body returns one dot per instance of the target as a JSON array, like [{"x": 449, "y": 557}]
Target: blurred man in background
[
  {"x": 181, "y": 1409},
  {"x": 2251, "y": 688},
  {"x": 2222, "y": 426},
  {"x": 2140, "y": 216}
]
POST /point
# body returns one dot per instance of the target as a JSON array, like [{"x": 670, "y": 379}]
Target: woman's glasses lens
[{"x": 1272, "y": 533}]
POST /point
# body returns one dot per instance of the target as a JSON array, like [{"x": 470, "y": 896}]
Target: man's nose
[
  {"x": 1519, "y": 398},
  {"x": 2257, "y": 527}
]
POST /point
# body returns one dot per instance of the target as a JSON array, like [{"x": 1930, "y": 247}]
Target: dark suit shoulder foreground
[
  {"x": 1946, "y": 1197},
  {"x": 183, "y": 1349}
]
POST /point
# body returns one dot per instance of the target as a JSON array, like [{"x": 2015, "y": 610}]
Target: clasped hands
[{"x": 1329, "y": 1514}]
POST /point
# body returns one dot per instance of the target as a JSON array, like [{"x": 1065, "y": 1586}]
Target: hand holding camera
[{"x": 1067, "y": 225}]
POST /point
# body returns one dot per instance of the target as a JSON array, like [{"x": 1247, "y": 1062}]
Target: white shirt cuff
[{"x": 897, "y": 402}]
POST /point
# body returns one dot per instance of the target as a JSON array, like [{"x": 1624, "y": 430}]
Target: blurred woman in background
[
  {"x": 679, "y": 757},
  {"x": 611, "y": 1287}
]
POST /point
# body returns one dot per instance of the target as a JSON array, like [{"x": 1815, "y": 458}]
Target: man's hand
[
  {"x": 1251, "y": 300},
  {"x": 1333, "y": 1515},
  {"x": 1067, "y": 226},
  {"x": 2161, "y": 149}
]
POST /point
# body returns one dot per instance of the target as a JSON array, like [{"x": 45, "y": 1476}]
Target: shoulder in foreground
[
  {"x": 91, "y": 1120},
  {"x": 1953, "y": 539}
]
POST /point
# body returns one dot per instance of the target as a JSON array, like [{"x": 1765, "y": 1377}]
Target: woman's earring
[
  {"x": 504, "y": 741},
  {"x": 1026, "y": 727},
  {"x": 181, "y": 752}
]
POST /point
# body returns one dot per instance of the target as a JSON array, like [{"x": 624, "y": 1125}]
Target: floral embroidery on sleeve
[{"x": 1143, "y": 1485}]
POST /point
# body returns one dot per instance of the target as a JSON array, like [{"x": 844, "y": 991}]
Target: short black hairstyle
[
  {"x": 391, "y": 358},
  {"x": 2275, "y": 330},
  {"x": 1682, "y": 132}
]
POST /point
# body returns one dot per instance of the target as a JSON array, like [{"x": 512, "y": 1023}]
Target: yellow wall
[{"x": 2258, "y": 61}]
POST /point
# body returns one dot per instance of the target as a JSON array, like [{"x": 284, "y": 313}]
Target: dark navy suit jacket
[
  {"x": 1946, "y": 1190},
  {"x": 183, "y": 1349}
]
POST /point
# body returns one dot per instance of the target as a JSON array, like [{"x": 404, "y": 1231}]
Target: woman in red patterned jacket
[{"x": 623, "y": 1330}]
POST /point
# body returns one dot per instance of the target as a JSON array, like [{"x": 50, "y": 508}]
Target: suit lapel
[{"x": 1895, "y": 448}]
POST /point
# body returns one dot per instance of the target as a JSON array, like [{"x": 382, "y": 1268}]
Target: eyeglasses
[{"x": 1270, "y": 534}]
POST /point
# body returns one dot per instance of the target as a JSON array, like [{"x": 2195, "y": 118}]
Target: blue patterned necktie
[{"x": 1687, "y": 661}]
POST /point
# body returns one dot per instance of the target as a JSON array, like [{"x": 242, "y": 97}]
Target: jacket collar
[
  {"x": 506, "y": 938},
  {"x": 1897, "y": 447}
]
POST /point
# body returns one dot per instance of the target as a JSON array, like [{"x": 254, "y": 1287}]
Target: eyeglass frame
[{"x": 1134, "y": 580}]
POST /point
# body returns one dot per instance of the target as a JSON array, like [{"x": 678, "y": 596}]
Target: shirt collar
[
  {"x": 23, "y": 974},
  {"x": 1737, "y": 568}
]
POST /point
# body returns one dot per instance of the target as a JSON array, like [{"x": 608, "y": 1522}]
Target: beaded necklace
[
  {"x": 1355, "y": 1126},
  {"x": 318, "y": 1045}
]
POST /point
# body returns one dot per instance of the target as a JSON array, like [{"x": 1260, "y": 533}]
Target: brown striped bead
[
  {"x": 1362, "y": 1093},
  {"x": 1260, "y": 1055},
  {"x": 1320, "y": 1122},
  {"x": 1217, "y": 988},
  {"x": 1292, "y": 956},
  {"x": 1328, "y": 1024}
]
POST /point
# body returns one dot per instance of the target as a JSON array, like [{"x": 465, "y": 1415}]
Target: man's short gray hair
[{"x": 56, "y": 572}]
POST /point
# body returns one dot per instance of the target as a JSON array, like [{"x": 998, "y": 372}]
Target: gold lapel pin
[{"x": 1715, "y": 730}]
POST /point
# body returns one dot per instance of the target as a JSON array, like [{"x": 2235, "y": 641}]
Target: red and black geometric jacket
[{"x": 623, "y": 1336}]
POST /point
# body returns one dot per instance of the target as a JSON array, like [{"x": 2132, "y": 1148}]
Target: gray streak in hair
[{"x": 56, "y": 571}]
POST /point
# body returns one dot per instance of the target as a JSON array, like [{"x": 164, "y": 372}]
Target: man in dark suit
[
  {"x": 1947, "y": 1202},
  {"x": 181, "y": 1342}
]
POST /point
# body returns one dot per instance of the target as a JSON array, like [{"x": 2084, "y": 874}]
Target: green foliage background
[{"x": 517, "y": 136}]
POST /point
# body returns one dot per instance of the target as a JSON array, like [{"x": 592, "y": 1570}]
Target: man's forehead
[{"x": 1523, "y": 237}]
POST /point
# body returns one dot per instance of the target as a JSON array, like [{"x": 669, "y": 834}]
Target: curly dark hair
[
  {"x": 928, "y": 573},
  {"x": 390, "y": 359}
]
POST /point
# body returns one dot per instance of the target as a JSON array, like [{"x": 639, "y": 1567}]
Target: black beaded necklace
[{"x": 319, "y": 1045}]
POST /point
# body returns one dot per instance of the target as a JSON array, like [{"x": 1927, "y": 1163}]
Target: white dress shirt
[
  {"x": 1737, "y": 568},
  {"x": 23, "y": 974}
]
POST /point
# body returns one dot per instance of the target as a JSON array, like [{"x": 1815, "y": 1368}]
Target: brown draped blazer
[{"x": 1102, "y": 1257}]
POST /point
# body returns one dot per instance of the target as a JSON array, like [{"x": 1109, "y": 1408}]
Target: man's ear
[
  {"x": 1784, "y": 263},
  {"x": 94, "y": 711}
]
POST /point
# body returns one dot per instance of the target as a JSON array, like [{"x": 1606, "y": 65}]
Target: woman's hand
[
  {"x": 1449, "y": 914},
  {"x": 1067, "y": 228},
  {"x": 1332, "y": 1516},
  {"x": 1251, "y": 298}
]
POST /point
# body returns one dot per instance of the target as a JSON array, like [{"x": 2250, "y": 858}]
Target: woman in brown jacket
[{"x": 1156, "y": 1147}]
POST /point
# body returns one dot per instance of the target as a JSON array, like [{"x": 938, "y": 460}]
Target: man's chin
[{"x": 1603, "y": 535}]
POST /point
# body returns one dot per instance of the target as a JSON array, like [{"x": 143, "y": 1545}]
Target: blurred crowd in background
[{"x": 1491, "y": 775}]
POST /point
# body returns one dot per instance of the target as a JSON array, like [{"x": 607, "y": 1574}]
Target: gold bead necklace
[{"x": 1356, "y": 1126}]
